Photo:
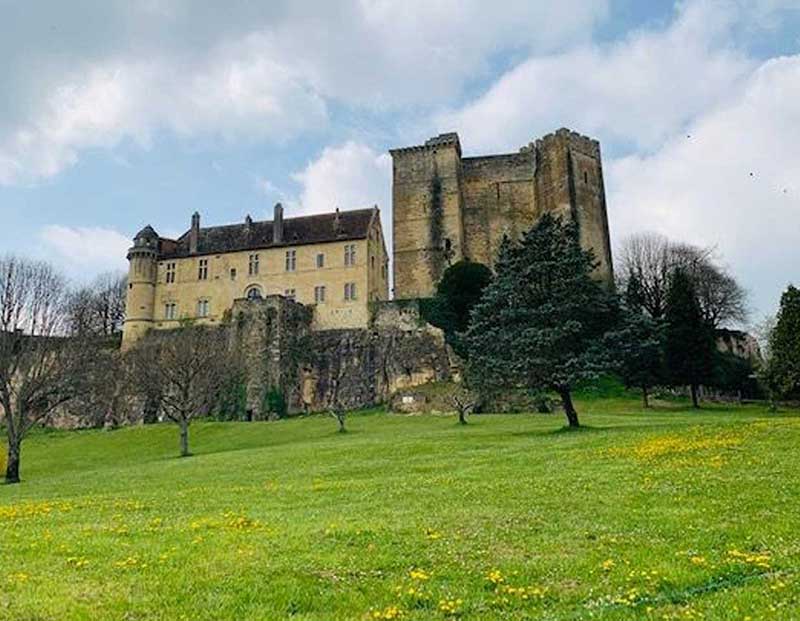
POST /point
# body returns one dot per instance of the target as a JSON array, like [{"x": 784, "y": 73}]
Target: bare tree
[
  {"x": 464, "y": 402},
  {"x": 335, "y": 407},
  {"x": 646, "y": 257},
  {"x": 39, "y": 367},
  {"x": 187, "y": 368},
  {"x": 98, "y": 309},
  {"x": 650, "y": 259}
]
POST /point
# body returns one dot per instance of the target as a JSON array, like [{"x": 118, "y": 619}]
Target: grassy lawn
[{"x": 670, "y": 514}]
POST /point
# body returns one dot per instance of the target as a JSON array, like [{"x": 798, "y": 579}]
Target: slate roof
[{"x": 299, "y": 231}]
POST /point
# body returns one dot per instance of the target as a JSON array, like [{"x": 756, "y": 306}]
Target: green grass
[{"x": 669, "y": 514}]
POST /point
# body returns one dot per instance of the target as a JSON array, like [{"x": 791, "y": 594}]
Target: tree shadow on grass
[{"x": 583, "y": 429}]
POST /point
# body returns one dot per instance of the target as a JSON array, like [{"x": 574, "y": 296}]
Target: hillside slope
[{"x": 671, "y": 514}]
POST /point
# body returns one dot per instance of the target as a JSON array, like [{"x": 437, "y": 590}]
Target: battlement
[
  {"x": 576, "y": 141},
  {"x": 442, "y": 140}
]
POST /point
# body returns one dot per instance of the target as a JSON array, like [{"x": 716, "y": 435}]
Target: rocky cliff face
[
  {"x": 312, "y": 370},
  {"x": 358, "y": 368},
  {"x": 319, "y": 370}
]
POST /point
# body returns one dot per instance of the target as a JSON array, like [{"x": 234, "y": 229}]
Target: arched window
[{"x": 254, "y": 293}]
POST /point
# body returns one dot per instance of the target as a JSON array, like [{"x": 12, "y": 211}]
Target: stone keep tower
[
  {"x": 447, "y": 207},
  {"x": 142, "y": 275}
]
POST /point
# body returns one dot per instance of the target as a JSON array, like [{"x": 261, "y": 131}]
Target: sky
[{"x": 118, "y": 114}]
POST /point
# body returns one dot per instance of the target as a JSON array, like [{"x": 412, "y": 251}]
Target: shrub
[{"x": 275, "y": 403}]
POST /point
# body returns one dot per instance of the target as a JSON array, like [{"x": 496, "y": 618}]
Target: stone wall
[
  {"x": 448, "y": 207},
  {"x": 352, "y": 368},
  {"x": 272, "y": 336}
]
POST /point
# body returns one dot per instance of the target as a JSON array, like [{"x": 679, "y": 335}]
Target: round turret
[{"x": 142, "y": 276}]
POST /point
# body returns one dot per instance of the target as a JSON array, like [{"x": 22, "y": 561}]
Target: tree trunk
[
  {"x": 569, "y": 408},
  {"x": 185, "y": 438},
  {"x": 695, "y": 402},
  {"x": 341, "y": 419},
  {"x": 462, "y": 416},
  {"x": 645, "y": 400},
  {"x": 12, "y": 466}
]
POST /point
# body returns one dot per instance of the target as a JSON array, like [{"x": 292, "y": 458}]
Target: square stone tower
[{"x": 447, "y": 207}]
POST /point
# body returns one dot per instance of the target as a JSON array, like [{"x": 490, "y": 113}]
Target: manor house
[{"x": 336, "y": 263}]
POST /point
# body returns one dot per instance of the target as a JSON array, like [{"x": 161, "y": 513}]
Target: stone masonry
[{"x": 447, "y": 207}]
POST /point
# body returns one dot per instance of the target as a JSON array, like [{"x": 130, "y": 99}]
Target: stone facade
[
  {"x": 334, "y": 263},
  {"x": 739, "y": 344},
  {"x": 447, "y": 207},
  {"x": 351, "y": 368}
]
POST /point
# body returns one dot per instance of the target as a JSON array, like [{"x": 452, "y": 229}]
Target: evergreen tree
[
  {"x": 541, "y": 323},
  {"x": 639, "y": 343},
  {"x": 460, "y": 288},
  {"x": 690, "y": 347},
  {"x": 784, "y": 346}
]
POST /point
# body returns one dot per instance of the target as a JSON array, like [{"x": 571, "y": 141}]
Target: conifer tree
[
  {"x": 541, "y": 323},
  {"x": 639, "y": 344},
  {"x": 784, "y": 345},
  {"x": 690, "y": 346}
]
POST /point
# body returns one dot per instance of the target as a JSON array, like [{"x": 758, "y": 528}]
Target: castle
[{"x": 446, "y": 208}]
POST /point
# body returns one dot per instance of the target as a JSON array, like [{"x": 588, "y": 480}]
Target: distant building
[
  {"x": 447, "y": 207},
  {"x": 334, "y": 262}
]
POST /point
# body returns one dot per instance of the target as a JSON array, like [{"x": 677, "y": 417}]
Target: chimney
[
  {"x": 194, "y": 233},
  {"x": 337, "y": 222},
  {"x": 248, "y": 220},
  {"x": 277, "y": 224}
]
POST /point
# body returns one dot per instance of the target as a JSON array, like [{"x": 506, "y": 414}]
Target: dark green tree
[
  {"x": 639, "y": 343},
  {"x": 459, "y": 290},
  {"x": 783, "y": 366},
  {"x": 542, "y": 322},
  {"x": 734, "y": 375},
  {"x": 690, "y": 347},
  {"x": 639, "y": 348}
]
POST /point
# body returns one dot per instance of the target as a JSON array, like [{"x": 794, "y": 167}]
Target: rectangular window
[
  {"x": 170, "y": 310},
  {"x": 350, "y": 254},
  {"x": 319, "y": 294},
  {"x": 233, "y": 273},
  {"x": 202, "y": 308},
  {"x": 202, "y": 270},
  {"x": 291, "y": 260},
  {"x": 349, "y": 291},
  {"x": 170, "y": 278},
  {"x": 290, "y": 294},
  {"x": 320, "y": 261},
  {"x": 253, "y": 268}
]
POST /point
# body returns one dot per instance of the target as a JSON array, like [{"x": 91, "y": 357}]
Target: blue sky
[{"x": 116, "y": 114}]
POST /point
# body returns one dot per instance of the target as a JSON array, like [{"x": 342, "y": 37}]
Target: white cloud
[
  {"x": 241, "y": 96},
  {"x": 85, "y": 251},
  {"x": 700, "y": 189},
  {"x": 636, "y": 91},
  {"x": 348, "y": 176},
  {"x": 255, "y": 71}
]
